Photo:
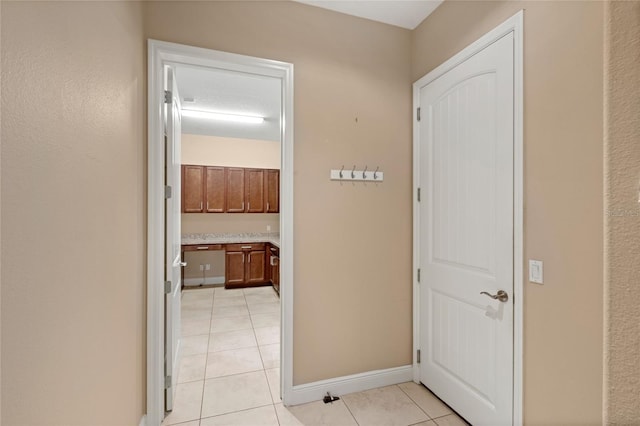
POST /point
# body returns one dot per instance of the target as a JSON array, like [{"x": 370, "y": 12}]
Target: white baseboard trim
[
  {"x": 143, "y": 420},
  {"x": 207, "y": 281},
  {"x": 339, "y": 386}
]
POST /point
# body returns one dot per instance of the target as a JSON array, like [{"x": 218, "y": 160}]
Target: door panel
[
  {"x": 257, "y": 266},
  {"x": 192, "y": 177},
  {"x": 466, "y": 235},
  {"x": 234, "y": 267},
  {"x": 272, "y": 190},
  {"x": 172, "y": 236}
]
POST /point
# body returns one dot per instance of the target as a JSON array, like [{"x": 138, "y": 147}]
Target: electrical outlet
[
  {"x": 535, "y": 271},
  {"x": 201, "y": 267},
  {"x": 207, "y": 267}
]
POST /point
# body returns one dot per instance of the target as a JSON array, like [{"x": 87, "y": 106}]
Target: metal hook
[
  {"x": 364, "y": 172},
  {"x": 353, "y": 174},
  {"x": 375, "y": 174},
  {"x": 341, "y": 171}
]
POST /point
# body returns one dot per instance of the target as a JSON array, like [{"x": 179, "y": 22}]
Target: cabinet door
[
  {"x": 254, "y": 195},
  {"x": 235, "y": 190},
  {"x": 256, "y": 267},
  {"x": 214, "y": 190},
  {"x": 234, "y": 268},
  {"x": 192, "y": 189},
  {"x": 272, "y": 191},
  {"x": 276, "y": 274}
]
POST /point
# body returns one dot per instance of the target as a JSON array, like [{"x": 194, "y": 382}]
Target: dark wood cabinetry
[
  {"x": 254, "y": 193},
  {"x": 209, "y": 189},
  {"x": 245, "y": 265},
  {"x": 272, "y": 190},
  {"x": 192, "y": 189},
  {"x": 274, "y": 267},
  {"x": 214, "y": 189},
  {"x": 235, "y": 190}
]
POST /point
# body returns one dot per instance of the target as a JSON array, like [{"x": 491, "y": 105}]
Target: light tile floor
[{"x": 229, "y": 372}]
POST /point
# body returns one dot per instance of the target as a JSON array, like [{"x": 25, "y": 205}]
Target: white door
[
  {"x": 172, "y": 235},
  {"x": 466, "y": 163}
]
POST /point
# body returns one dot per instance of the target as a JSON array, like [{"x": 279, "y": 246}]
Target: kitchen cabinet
[
  {"x": 192, "y": 189},
  {"x": 235, "y": 181},
  {"x": 274, "y": 267},
  {"x": 272, "y": 190},
  {"x": 245, "y": 265},
  {"x": 214, "y": 190},
  {"x": 254, "y": 193}
]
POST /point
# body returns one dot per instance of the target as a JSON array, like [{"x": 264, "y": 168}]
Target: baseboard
[
  {"x": 143, "y": 420},
  {"x": 315, "y": 391},
  {"x": 199, "y": 281}
]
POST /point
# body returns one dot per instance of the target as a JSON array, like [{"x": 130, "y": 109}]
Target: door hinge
[
  {"x": 167, "y": 287},
  {"x": 418, "y": 274},
  {"x": 168, "y": 96},
  {"x": 167, "y": 382},
  {"x": 418, "y": 356},
  {"x": 418, "y": 194},
  {"x": 167, "y": 192},
  {"x": 418, "y": 113}
]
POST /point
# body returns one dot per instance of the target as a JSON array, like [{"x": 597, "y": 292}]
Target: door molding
[
  {"x": 512, "y": 25},
  {"x": 159, "y": 54}
]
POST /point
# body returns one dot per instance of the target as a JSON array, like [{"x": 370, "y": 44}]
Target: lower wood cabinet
[
  {"x": 274, "y": 266},
  {"x": 245, "y": 265}
]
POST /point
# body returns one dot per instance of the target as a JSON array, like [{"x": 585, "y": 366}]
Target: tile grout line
[
  {"x": 348, "y": 409},
  {"x": 416, "y": 403},
  {"x": 206, "y": 358}
]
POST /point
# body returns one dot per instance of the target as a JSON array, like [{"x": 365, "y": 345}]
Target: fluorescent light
[{"x": 222, "y": 116}]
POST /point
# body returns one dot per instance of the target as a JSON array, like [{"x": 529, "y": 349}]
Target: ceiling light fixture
[{"x": 209, "y": 115}]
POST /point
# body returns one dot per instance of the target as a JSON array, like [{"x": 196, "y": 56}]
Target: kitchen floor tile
[
  {"x": 427, "y": 423},
  {"x": 285, "y": 417},
  {"x": 267, "y": 289},
  {"x": 226, "y": 363},
  {"x": 264, "y": 308},
  {"x": 194, "y": 327},
  {"x": 387, "y": 406},
  {"x": 267, "y": 335},
  {"x": 427, "y": 401},
  {"x": 229, "y": 301},
  {"x": 263, "y": 416},
  {"x": 229, "y": 311},
  {"x": 187, "y": 403},
  {"x": 234, "y": 393},
  {"x": 266, "y": 320},
  {"x": 192, "y": 368},
  {"x": 230, "y": 324},
  {"x": 450, "y": 420},
  {"x": 320, "y": 414},
  {"x": 196, "y": 314},
  {"x": 223, "y": 292},
  {"x": 195, "y": 304},
  {"x": 193, "y": 345},
  {"x": 254, "y": 299},
  {"x": 270, "y": 355},
  {"x": 228, "y": 340},
  {"x": 273, "y": 378}
]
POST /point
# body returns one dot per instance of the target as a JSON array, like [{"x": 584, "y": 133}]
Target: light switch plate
[{"x": 535, "y": 271}]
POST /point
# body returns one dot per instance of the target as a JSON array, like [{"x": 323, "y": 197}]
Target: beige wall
[
  {"x": 215, "y": 258},
  {"x": 73, "y": 213},
  {"x": 229, "y": 152},
  {"x": 352, "y": 266},
  {"x": 622, "y": 220},
  {"x": 563, "y": 51}
]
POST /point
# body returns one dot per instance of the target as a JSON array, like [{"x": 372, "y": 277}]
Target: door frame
[
  {"x": 514, "y": 25},
  {"x": 159, "y": 54}
]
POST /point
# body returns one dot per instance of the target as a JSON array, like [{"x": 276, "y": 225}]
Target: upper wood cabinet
[
  {"x": 254, "y": 192},
  {"x": 272, "y": 190},
  {"x": 212, "y": 189},
  {"x": 235, "y": 190},
  {"x": 215, "y": 189},
  {"x": 192, "y": 189}
]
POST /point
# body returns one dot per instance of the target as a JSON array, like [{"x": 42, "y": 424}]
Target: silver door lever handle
[
  {"x": 183, "y": 263},
  {"x": 501, "y": 296}
]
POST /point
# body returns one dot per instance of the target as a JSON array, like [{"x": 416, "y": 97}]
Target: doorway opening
[{"x": 231, "y": 71}]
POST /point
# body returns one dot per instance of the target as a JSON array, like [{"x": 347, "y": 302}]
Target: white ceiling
[
  {"x": 401, "y": 13},
  {"x": 240, "y": 93},
  {"x": 231, "y": 93}
]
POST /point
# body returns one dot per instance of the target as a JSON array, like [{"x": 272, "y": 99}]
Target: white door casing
[
  {"x": 468, "y": 229},
  {"x": 172, "y": 314}
]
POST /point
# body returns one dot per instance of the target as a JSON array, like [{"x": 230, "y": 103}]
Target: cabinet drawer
[
  {"x": 242, "y": 247},
  {"x": 202, "y": 247}
]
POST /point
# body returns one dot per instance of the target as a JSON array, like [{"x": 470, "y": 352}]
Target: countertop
[{"x": 228, "y": 238}]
